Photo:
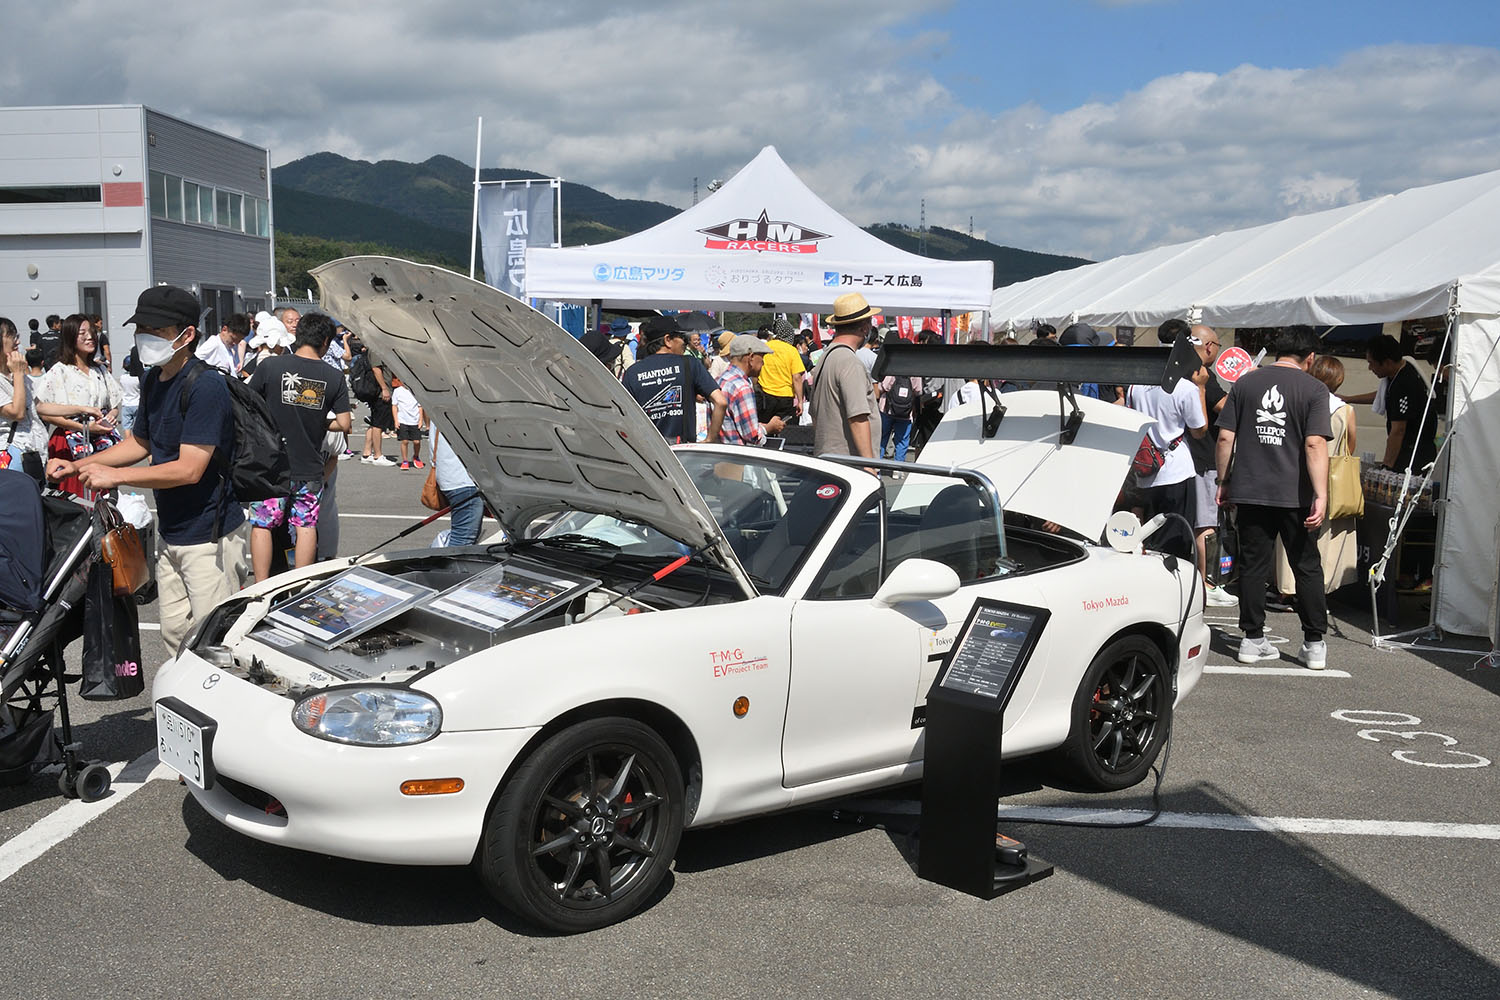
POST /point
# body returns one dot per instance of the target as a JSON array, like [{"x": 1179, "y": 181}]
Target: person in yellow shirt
[{"x": 778, "y": 390}]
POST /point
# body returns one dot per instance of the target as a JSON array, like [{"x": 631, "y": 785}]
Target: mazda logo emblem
[{"x": 210, "y": 681}]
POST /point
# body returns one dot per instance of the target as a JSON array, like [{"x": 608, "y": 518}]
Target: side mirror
[{"x": 916, "y": 580}]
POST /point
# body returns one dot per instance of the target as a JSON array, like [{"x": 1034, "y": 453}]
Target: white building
[{"x": 99, "y": 202}]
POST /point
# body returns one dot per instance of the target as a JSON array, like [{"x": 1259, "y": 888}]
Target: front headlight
[{"x": 369, "y": 716}]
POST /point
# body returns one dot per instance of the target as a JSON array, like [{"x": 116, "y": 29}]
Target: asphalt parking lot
[{"x": 1323, "y": 835}]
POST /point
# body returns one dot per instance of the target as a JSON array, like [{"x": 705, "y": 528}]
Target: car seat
[
  {"x": 783, "y": 546},
  {"x": 958, "y": 530}
]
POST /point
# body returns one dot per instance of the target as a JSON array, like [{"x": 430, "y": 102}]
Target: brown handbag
[
  {"x": 432, "y": 497},
  {"x": 120, "y": 548}
]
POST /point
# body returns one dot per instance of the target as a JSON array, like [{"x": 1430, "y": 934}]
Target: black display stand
[{"x": 959, "y": 845}]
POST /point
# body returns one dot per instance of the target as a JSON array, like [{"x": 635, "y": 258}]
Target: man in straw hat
[{"x": 843, "y": 397}]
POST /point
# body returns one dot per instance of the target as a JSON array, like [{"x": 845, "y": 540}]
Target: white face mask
[{"x": 152, "y": 350}]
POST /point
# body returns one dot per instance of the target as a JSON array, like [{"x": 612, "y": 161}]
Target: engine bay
[{"x": 399, "y": 618}]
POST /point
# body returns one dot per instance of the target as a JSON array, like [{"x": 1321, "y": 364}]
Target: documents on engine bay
[
  {"x": 507, "y": 594},
  {"x": 351, "y": 603}
]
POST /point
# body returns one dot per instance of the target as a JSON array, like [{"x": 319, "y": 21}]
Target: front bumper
[{"x": 340, "y": 800}]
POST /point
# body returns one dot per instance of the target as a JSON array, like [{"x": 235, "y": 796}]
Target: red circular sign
[
  {"x": 1232, "y": 364},
  {"x": 828, "y": 492}
]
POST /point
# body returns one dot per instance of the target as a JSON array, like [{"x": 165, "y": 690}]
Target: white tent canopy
[
  {"x": 1392, "y": 258},
  {"x": 763, "y": 240},
  {"x": 1428, "y": 251}
]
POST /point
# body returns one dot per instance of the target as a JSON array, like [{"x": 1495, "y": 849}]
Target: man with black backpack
[
  {"x": 186, "y": 426},
  {"x": 307, "y": 399},
  {"x": 367, "y": 382}
]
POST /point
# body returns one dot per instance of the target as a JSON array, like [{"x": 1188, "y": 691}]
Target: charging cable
[{"x": 1160, "y": 767}]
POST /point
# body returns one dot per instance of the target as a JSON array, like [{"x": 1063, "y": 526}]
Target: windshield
[{"x": 771, "y": 512}]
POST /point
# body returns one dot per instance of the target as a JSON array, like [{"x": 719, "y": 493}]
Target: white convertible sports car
[{"x": 706, "y": 633}]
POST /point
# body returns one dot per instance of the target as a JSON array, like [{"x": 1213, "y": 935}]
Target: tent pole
[
  {"x": 1445, "y": 458},
  {"x": 474, "y": 227},
  {"x": 1403, "y": 512}
]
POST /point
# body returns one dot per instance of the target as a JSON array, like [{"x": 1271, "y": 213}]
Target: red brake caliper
[{"x": 625, "y": 824}]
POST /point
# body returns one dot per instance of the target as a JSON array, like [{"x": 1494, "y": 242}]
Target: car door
[
  {"x": 854, "y": 664},
  {"x": 953, "y": 523}
]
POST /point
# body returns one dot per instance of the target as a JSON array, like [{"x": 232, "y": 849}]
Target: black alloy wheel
[
  {"x": 587, "y": 827},
  {"x": 1122, "y": 714}
]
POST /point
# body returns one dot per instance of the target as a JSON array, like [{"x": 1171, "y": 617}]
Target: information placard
[
  {"x": 962, "y": 753},
  {"x": 993, "y": 646}
]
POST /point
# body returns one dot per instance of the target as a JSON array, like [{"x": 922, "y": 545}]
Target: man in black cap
[
  {"x": 667, "y": 383},
  {"x": 202, "y": 556},
  {"x": 1083, "y": 335},
  {"x": 49, "y": 342}
]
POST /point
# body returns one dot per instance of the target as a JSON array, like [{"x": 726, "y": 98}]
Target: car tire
[
  {"x": 586, "y": 828},
  {"x": 1121, "y": 715}
]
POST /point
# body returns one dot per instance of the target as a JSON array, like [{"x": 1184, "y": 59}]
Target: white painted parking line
[
  {"x": 60, "y": 824},
  {"x": 1234, "y": 668},
  {"x": 1268, "y": 824},
  {"x": 1217, "y": 821},
  {"x": 149, "y": 626}
]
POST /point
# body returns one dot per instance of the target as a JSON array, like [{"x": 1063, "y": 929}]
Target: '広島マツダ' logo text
[{"x": 762, "y": 234}]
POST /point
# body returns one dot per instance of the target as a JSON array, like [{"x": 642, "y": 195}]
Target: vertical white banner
[{"x": 514, "y": 215}]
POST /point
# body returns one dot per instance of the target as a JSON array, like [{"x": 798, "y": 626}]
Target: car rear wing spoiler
[
  {"x": 1162, "y": 366},
  {"x": 1060, "y": 367}
]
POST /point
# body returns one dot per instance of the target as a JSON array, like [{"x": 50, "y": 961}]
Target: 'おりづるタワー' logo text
[{"x": 762, "y": 234}]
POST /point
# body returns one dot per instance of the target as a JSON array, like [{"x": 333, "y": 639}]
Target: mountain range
[{"x": 328, "y": 206}]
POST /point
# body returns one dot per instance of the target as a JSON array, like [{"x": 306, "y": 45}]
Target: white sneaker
[
  {"x": 1218, "y": 597},
  {"x": 1315, "y": 655},
  {"x": 366, "y": 460},
  {"x": 1254, "y": 650},
  {"x": 381, "y": 460},
  {"x": 345, "y": 455}
]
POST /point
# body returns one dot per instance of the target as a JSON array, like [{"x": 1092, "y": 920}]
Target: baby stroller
[{"x": 47, "y": 547}]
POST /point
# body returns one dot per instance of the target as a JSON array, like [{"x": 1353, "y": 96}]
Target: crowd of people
[{"x": 1259, "y": 447}]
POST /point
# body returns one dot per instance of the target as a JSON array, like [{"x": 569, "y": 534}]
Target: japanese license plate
[{"x": 184, "y": 741}]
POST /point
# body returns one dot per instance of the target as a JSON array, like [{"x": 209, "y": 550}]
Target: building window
[
  {"x": 179, "y": 200},
  {"x": 174, "y": 198},
  {"x": 158, "y": 195},
  {"x": 78, "y": 193}
]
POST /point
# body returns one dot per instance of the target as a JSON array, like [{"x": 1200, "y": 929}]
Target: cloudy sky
[{"x": 1091, "y": 127}]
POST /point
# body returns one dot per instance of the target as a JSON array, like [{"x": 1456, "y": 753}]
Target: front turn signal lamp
[{"x": 432, "y": 786}]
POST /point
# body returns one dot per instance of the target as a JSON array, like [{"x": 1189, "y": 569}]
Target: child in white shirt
[{"x": 411, "y": 422}]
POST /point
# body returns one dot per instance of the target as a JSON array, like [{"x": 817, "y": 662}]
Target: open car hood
[
  {"x": 1074, "y": 485},
  {"x": 537, "y": 420}
]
